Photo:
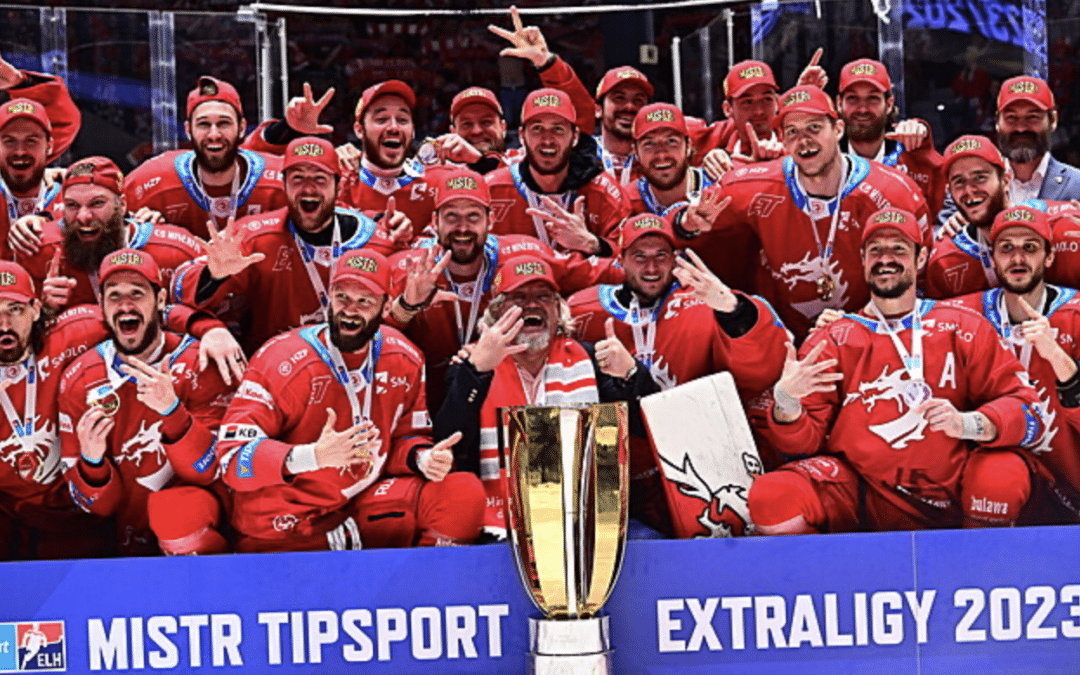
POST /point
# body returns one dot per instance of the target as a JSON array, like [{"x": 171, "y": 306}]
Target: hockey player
[
  {"x": 266, "y": 274},
  {"x": 34, "y": 499},
  {"x": 328, "y": 441},
  {"x": 679, "y": 330},
  {"x": 50, "y": 92},
  {"x": 807, "y": 209},
  {"x": 866, "y": 105},
  {"x": 96, "y": 223},
  {"x": 461, "y": 261},
  {"x": 526, "y": 356},
  {"x": 218, "y": 179},
  {"x": 888, "y": 402},
  {"x": 1039, "y": 322},
  {"x": 136, "y": 413},
  {"x": 559, "y": 193}
]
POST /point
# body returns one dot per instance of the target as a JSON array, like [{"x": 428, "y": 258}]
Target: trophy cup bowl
[{"x": 568, "y": 500}]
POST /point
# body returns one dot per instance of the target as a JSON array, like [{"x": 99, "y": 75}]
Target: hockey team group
[{"x": 269, "y": 343}]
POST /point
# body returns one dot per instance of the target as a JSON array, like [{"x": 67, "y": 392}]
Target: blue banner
[{"x": 924, "y": 602}]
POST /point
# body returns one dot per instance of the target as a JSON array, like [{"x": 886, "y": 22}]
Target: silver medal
[{"x": 917, "y": 392}]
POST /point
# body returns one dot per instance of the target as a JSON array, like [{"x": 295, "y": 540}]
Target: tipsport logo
[{"x": 33, "y": 647}]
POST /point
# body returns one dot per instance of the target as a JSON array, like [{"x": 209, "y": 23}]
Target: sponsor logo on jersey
[
  {"x": 33, "y": 647},
  {"x": 253, "y": 391},
  {"x": 240, "y": 432}
]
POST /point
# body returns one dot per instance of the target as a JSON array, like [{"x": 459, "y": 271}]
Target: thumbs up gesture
[{"x": 612, "y": 356}]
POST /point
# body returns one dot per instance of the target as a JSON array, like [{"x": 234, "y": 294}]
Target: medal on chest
[{"x": 826, "y": 286}]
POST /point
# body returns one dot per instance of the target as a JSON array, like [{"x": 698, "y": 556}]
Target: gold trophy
[{"x": 567, "y": 479}]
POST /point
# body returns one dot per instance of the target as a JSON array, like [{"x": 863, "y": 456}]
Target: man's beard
[
  {"x": 618, "y": 133},
  {"x": 531, "y": 156},
  {"x": 864, "y": 132},
  {"x": 459, "y": 256},
  {"x": 13, "y": 354},
  {"x": 1037, "y": 277},
  {"x": 372, "y": 148},
  {"x": 216, "y": 164},
  {"x": 674, "y": 182},
  {"x": 153, "y": 331},
  {"x": 23, "y": 187},
  {"x": 320, "y": 217},
  {"x": 87, "y": 255},
  {"x": 996, "y": 203},
  {"x": 534, "y": 341},
  {"x": 901, "y": 286},
  {"x": 353, "y": 343},
  {"x": 1024, "y": 147}
]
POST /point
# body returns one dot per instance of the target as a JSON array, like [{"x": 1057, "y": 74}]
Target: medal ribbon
[
  {"x": 185, "y": 171},
  {"x": 43, "y": 199},
  {"x": 24, "y": 430},
  {"x": 913, "y": 361},
  {"x": 566, "y": 199},
  {"x": 465, "y": 331},
  {"x": 697, "y": 182},
  {"x": 307, "y": 254},
  {"x": 388, "y": 186},
  {"x": 331, "y": 356},
  {"x": 607, "y": 158}
]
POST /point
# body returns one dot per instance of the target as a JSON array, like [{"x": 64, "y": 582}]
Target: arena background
[{"x": 925, "y": 602}]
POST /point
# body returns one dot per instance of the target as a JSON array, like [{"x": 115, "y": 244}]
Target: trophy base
[{"x": 570, "y": 646}]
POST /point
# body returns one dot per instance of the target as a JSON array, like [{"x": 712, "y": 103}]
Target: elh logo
[{"x": 33, "y": 647}]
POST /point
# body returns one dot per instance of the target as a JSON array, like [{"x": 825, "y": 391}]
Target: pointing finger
[{"x": 817, "y": 56}]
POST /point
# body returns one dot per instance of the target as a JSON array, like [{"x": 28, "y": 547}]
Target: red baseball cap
[
  {"x": 971, "y": 146},
  {"x": 805, "y": 99},
  {"x": 386, "y": 87},
  {"x": 659, "y": 116},
  {"x": 1022, "y": 216},
  {"x": 520, "y": 270},
  {"x": 1026, "y": 88},
  {"x": 865, "y": 70},
  {"x": 18, "y": 108},
  {"x": 95, "y": 171},
  {"x": 475, "y": 95},
  {"x": 461, "y": 183},
  {"x": 897, "y": 219},
  {"x": 644, "y": 224},
  {"x": 746, "y": 74},
  {"x": 369, "y": 268},
  {"x": 550, "y": 101},
  {"x": 623, "y": 75},
  {"x": 311, "y": 150},
  {"x": 130, "y": 260},
  {"x": 15, "y": 282},
  {"x": 212, "y": 89}
]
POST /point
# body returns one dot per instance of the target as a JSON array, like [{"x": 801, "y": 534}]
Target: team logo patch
[
  {"x": 662, "y": 115},
  {"x": 308, "y": 150},
  {"x": 1024, "y": 87},
  {"x": 529, "y": 269},
  {"x": 33, "y": 647},
  {"x": 21, "y": 107},
  {"x": 81, "y": 170},
  {"x": 751, "y": 72},
  {"x": 7, "y": 279},
  {"x": 864, "y": 69},
  {"x": 795, "y": 98},
  {"x": 547, "y": 101},
  {"x": 891, "y": 217},
  {"x": 126, "y": 258},
  {"x": 363, "y": 264},
  {"x": 462, "y": 183},
  {"x": 966, "y": 145},
  {"x": 1018, "y": 215}
]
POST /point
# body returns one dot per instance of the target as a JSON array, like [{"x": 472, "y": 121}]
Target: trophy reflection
[{"x": 567, "y": 472}]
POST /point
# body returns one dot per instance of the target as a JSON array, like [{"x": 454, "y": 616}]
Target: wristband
[
  {"x": 301, "y": 459},
  {"x": 972, "y": 427},
  {"x": 172, "y": 408},
  {"x": 91, "y": 462},
  {"x": 416, "y": 308}
]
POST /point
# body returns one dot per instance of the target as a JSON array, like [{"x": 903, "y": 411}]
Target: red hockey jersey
[
  {"x": 139, "y": 460},
  {"x": 767, "y": 200},
  {"x": 282, "y": 402},
  {"x": 605, "y": 205},
  {"x": 30, "y": 469},
  {"x": 64, "y": 116},
  {"x": 49, "y": 201},
  {"x": 170, "y": 246},
  {"x": 168, "y": 184},
  {"x": 960, "y": 265},
  {"x": 413, "y": 194},
  {"x": 1058, "y": 448},
  {"x": 867, "y": 421},
  {"x": 276, "y": 294}
]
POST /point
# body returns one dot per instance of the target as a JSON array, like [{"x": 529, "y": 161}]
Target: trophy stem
[
  {"x": 570, "y": 646},
  {"x": 568, "y": 427}
]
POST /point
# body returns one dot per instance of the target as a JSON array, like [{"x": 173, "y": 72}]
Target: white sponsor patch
[{"x": 254, "y": 391}]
